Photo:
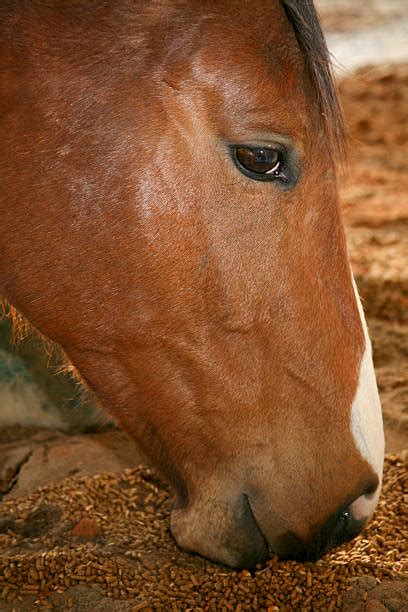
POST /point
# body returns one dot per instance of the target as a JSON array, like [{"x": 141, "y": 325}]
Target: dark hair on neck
[{"x": 305, "y": 21}]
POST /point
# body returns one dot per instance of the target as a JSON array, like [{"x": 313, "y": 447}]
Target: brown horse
[{"x": 169, "y": 217}]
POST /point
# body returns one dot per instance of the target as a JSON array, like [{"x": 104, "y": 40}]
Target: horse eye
[{"x": 262, "y": 163}]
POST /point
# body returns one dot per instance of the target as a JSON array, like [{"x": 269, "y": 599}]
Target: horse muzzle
[
  {"x": 227, "y": 531},
  {"x": 224, "y": 531}
]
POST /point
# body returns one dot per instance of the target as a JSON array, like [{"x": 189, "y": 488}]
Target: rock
[
  {"x": 367, "y": 583},
  {"x": 11, "y": 460},
  {"x": 86, "y": 528},
  {"x": 365, "y": 596},
  {"x": 42, "y": 459},
  {"x": 393, "y": 595}
]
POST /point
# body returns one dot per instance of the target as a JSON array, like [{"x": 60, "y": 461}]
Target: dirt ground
[
  {"x": 346, "y": 15},
  {"x": 374, "y": 198}
]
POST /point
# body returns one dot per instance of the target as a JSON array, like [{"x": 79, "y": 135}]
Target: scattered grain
[{"x": 157, "y": 575}]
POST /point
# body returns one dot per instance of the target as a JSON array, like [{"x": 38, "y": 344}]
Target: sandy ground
[
  {"x": 363, "y": 33},
  {"x": 349, "y": 16},
  {"x": 374, "y": 198}
]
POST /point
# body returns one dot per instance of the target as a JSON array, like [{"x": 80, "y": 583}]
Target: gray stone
[{"x": 49, "y": 457}]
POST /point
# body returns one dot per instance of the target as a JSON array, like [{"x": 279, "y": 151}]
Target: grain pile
[{"x": 112, "y": 530}]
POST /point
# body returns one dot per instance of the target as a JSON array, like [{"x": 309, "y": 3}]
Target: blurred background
[{"x": 369, "y": 44}]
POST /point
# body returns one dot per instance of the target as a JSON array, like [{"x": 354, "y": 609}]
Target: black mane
[{"x": 305, "y": 22}]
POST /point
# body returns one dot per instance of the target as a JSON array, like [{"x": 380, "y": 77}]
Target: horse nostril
[
  {"x": 348, "y": 522},
  {"x": 343, "y": 523},
  {"x": 346, "y": 528},
  {"x": 345, "y": 516},
  {"x": 342, "y": 526},
  {"x": 339, "y": 528}
]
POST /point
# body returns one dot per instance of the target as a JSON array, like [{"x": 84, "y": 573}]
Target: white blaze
[{"x": 366, "y": 421}]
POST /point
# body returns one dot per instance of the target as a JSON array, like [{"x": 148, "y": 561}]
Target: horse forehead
[
  {"x": 229, "y": 32},
  {"x": 250, "y": 64}
]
